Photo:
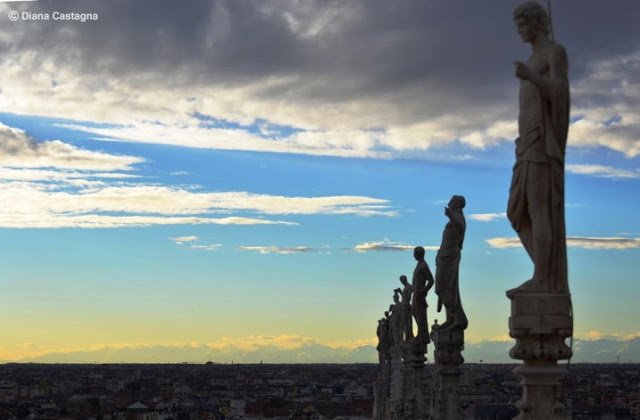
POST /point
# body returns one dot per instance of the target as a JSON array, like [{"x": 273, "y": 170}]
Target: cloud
[
  {"x": 606, "y": 103},
  {"x": 599, "y": 335},
  {"x": 288, "y": 348},
  {"x": 585, "y": 242},
  {"x": 603, "y": 243},
  {"x": 300, "y": 80},
  {"x": 487, "y": 217},
  {"x": 592, "y": 346},
  {"x": 279, "y": 249},
  {"x": 345, "y": 143},
  {"x": 18, "y": 150},
  {"x": 387, "y": 245},
  {"x": 181, "y": 240},
  {"x": 603, "y": 171},
  {"x": 55, "y": 184},
  {"x": 191, "y": 242}
]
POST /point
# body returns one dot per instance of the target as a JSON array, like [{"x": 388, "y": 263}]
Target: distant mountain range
[{"x": 590, "y": 351}]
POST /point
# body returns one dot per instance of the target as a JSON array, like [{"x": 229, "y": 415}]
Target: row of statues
[
  {"x": 541, "y": 309},
  {"x": 410, "y": 301}
]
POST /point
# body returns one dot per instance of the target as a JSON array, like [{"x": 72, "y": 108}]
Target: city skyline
[{"x": 257, "y": 173}]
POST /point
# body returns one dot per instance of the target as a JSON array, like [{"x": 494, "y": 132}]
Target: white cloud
[
  {"x": 504, "y": 242},
  {"x": 55, "y": 184},
  {"x": 278, "y": 249},
  {"x": 603, "y": 243},
  {"x": 208, "y": 247},
  {"x": 351, "y": 106},
  {"x": 487, "y": 217},
  {"x": 31, "y": 204},
  {"x": 612, "y": 120},
  {"x": 387, "y": 245},
  {"x": 603, "y": 171},
  {"x": 18, "y": 150},
  {"x": 181, "y": 240},
  {"x": 585, "y": 242},
  {"x": 191, "y": 242}
]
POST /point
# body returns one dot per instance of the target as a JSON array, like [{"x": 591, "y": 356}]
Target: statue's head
[
  {"x": 531, "y": 18},
  {"x": 457, "y": 202},
  {"x": 418, "y": 253},
  {"x": 403, "y": 279},
  {"x": 386, "y": 314}
]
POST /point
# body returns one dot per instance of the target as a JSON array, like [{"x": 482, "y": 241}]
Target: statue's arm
[
  {"x": 430, "y": 281},
  {"x": 557, "y": 80},
  {"x": 459, "y": 222}
]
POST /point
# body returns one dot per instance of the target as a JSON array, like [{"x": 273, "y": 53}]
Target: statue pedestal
[
  {"x": 540, "y": 324},
  {"x": 396, "y": 402},
  {"x": 381, "y": 402},
  {"x": 416, "y": 406},
  {"x": 541, "y": 385},
  {"x": 449, "y": 345}
]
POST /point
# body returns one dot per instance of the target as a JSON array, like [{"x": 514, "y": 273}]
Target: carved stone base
[
  {"x": 449, "y": 405},
  {"x": 448, "y": 346},
  {"x": 396, "y": 402},
  {"x": 417, "y": 397},
  {"x": 540, "y": 323},
  {"x": 541, "y": 385}
]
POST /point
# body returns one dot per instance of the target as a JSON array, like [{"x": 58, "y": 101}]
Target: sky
[{"x": 247, "y": 174}]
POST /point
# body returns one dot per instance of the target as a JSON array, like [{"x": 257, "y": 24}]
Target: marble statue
[
  {"x": 422, "y": 283},
  {"x": 536, "y": 196},
  {"x": 383, "y": 340},
  {"x": 406, "y": 293},
  {"x": 541, "y": 310},
  {"x": 396, "y": 321},
  {"x": 448, "y": 263}
]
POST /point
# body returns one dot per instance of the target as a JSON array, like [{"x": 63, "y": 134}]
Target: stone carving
[
  {"x": 540, "y": 323},
  {"x": 448, "y": 263},
  {"x": 396, "y": 320},
  {"x": 406, "y": 293},
  {"x": 401, "y": 391},
  {"x": 422, "y": 283},
  {"x": 536, "y": 196},
  {"x": 383, "y": 340},
  {"x": 448, "y": 338},
  {"x": 541, "y": 313}
]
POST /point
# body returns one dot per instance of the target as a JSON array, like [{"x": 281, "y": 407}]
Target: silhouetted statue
[
  {"x": 396, "y": 326},
  {"x": 422, "y": 283},
  {"x": 536, "y": 195},
  {"x": 448, "y": 264},
  {"x": 407, "y": 291},
  {"x": 383, "y": 339}
]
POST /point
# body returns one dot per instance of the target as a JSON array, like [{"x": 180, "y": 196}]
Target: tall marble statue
[
  {"x": 406, "y": 293},
  {"x": 422, "y": 283},
  {"x": 541, "y": 310},
  {"x": 448, "y": 263},
  {"x": 536, "y": 196}
]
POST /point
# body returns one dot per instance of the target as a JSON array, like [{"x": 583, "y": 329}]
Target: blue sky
[{"x": 207, "y": 186}]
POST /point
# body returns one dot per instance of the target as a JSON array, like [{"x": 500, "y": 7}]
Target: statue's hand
[{"x": 523, "y": 71}]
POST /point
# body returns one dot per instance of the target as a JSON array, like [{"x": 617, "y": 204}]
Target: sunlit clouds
[
  {"x": 54, "y": 184},
  {"x": 614, "y": 243},
  {"x": 487, "y": 217}
]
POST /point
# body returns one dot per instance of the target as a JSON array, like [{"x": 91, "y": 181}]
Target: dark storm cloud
[{"x": 429, "y": 58}]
